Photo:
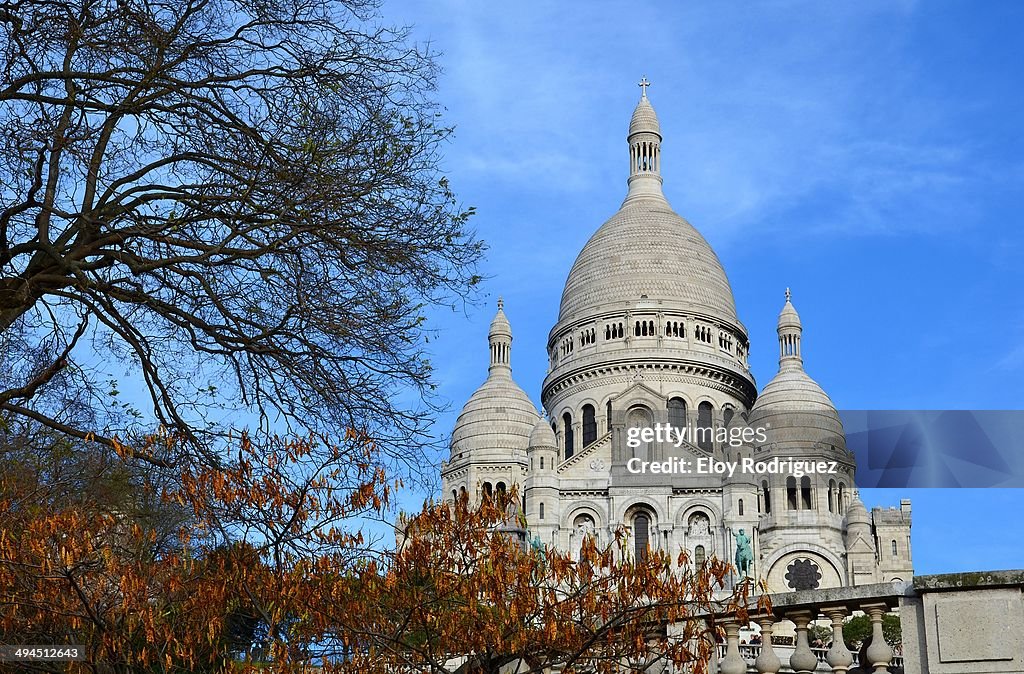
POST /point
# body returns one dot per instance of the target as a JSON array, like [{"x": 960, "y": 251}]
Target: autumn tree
[
  {"x": 220, "y": 591},
  {"x": 468, "y": 590},
  {"x": 237, "y": 203},
  {"x": 465, "y": 588}
]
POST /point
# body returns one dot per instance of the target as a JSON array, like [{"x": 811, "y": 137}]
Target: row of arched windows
[
  {"x": 643, "y": 329},
  {"x": 836, "y": 497},
  {"x": 677, "y": 418},
  {"x": 649, "y": 328}
]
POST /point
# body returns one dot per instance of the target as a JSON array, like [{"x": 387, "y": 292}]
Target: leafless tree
[{"x": 237, "y": 202}]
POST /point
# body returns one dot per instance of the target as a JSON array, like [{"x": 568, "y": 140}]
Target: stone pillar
[
  {"x": 767, "y": 661},
  {"x": 839, "y": 656},
  {"x": 879, "y": 654},
  {"x": 803, "y": 660},
  {"x": 733, "y": 662}
]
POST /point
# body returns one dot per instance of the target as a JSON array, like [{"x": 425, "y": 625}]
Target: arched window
[
  {"x": 677, "y": 413},
  {"x": 767, "y": 497},
  {"x": 791, "y": 496},
  {"x": 741, "y": 507},
  {"x": 567, "y": 434},
  {"x": 636, "y": 329},
  {"x": 640, "y": 417},
  {"x": 805, "y": 493},
  {"x": 705, "y": 433},
  {"x": 841, "y": 505},
  {"x": 831, "y": 496},
  {"x": 501, "y": 487},
  {"x": 455, "y": 495},
  {"x": 895, "y": 552},
  {"x": 608, "y": 415},
  {"x": 641, "y": 533},
  {"x": 589, "y": 425},
  {"x": 488, "y": 490},
  {"x": 699, "y": 556},
  {"x": 540, "y": 511},
  {"x": 542, "y": 463},
  {"x": 727, "y": 415}
]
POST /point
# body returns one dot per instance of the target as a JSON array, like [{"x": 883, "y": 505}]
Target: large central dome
[
  {"x": 647, "y": 251},
  {"x": 647, "y": 297}
]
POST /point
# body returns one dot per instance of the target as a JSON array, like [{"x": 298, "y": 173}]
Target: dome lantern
[
  {"x": 499, "y": 338},
  {"x": 790, "y": 330},
  {"x": 644, "y": 140}
]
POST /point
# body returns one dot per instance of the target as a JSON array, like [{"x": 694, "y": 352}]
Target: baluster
[
  {"x": 767, "y": 661},
  {"x": 879, "y": 654},
  {"x": 733, "y": 662},
  {"x": 803, "y": 660},
  {"x": 839, "y": 656}
]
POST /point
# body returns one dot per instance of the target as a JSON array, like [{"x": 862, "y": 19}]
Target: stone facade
[{"x": 648, "y": 333}]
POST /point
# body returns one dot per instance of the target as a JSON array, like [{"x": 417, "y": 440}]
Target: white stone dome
[
  {"x": 498, "y": 416},
  {"x": 857, "y": 513},
  {"x": 542, "y": 435},
  {"x": 793, "y": 406},
  {"x": 647, "y": 252},
  {"x": 644, "y": 118}
]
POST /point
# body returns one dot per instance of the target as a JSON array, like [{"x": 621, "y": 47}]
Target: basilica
[{"x": 647, "y": 335}]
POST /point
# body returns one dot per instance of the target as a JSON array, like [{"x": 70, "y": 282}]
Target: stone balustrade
[{"x": 961, "y": 623}]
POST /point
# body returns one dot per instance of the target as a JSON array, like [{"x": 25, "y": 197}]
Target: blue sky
[{"x": 868, "y": 155}]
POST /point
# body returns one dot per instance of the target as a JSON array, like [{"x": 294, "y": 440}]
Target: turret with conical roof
[
  {"x": 792, "y": 406},
  {"x": 491, "y": 435}
]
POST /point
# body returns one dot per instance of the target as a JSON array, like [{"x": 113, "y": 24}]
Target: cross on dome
[
  {"x": 643, "y": 86},
  {"x": 788, "y": 295}
]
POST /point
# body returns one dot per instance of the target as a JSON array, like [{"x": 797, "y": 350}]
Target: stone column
[
  {"x": 767, "y": 661},
  {"x": 733, "y": 662},
  {"x": 839, "y": 656},
  {"x": 879, "y": 654},
  {"x": 803, "y": 660}
]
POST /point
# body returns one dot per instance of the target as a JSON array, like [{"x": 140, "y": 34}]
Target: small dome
[
  {"x": 644, "y": 118},
  {"x": 793, "y": 407},
  {"x": 788, "y": 317},
  {"x": 500, "y": 325},
  {"x": 498, "y": 416},
  {"x": 542, "y": 435},
  {"x": 856, "y": 513}
]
